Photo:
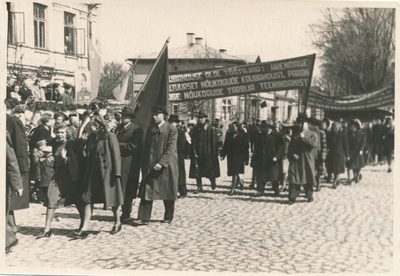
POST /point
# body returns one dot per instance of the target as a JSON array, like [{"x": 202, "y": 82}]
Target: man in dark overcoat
[
  {"x": 271, "y": 153},
  {"x": 20, "y": 143},
  {"x": 302, "y": 153},
  {"x": 160, "y": 169},
  {"x": 180, "y": 146},
  {"x": 13, "y": 185},
  {"x": 130, "y": 139},
  {"x": 256, "y": 160},
  {"x": 204, "y": 153}
]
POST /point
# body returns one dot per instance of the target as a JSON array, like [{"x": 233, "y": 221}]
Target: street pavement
[{"x": 349, "y": 229}]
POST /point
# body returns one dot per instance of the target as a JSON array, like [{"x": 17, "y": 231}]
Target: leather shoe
[
  {"x": 124, "y": 220},
  {"x": 199, "y": 190},
  {"x": 290, "y": 202},
  {"x": 44, "y": 234},
  {"x": 311, "y": 199},
  {"x": 166, "y": 221},
  {"x": 259, "y": 193},
  {"x": 8, "y": 248},
  {"x": 116, "y": 229},
  {"x": 141, "y": 222},
  {"x": 213, "y": 186},
  {"x": 81, "y": 234}
]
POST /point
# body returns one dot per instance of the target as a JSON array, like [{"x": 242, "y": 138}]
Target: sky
[{"x": 271, "y": 29}]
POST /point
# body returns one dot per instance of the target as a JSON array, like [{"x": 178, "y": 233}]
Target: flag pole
[
  {"x": 134, "y": 100},
  {"x": 307, "y": 93}
]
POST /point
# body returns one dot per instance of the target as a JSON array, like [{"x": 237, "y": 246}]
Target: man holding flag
[{"x": 160, "y": 161}]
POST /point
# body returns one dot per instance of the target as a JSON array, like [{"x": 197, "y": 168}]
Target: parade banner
[
  {"x": 295, "y": 73},
  {"x": 376, "y": 99}
]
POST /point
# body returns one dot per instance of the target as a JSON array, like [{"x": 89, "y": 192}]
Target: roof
[
  {"x": 250, "y": 58},
  {"x": 194, "y": 51}
]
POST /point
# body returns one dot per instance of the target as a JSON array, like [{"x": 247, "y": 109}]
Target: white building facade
[{"x": 50, "y": 41}]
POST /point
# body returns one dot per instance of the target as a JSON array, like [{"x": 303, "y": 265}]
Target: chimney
[
  {"x": 199, "y": 40},
  {"x": 189, "y": 37},
  {"x": 222, "y": 51}
]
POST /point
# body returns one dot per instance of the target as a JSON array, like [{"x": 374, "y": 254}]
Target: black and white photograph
[{"x": 227, "y": 136}]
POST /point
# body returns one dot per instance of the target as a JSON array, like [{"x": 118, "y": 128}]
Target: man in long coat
[
  {"x": 271, "y": 153},
  {"x": 13, "y": 185},
  {"x": 160, "y": 169},
  {"x": 130, "y": 138},
  {"x": 204, "y": 153},
  {"x": 302, "y": 153},
  {"x": 180, "y": 147},
  {"x": 20, "y": 143}
]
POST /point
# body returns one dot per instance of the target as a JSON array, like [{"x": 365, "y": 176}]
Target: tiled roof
[{"x": 194, "y": 51}]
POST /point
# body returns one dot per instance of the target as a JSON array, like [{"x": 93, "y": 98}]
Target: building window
[
  {"x": 175, "y": 109},
  {"x": 39, "y": 24},
  {"x": 69, "y": 34},
  {"x": 226, "y": 108}
]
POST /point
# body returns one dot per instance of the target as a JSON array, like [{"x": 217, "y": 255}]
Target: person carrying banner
[
  {"x": 204, "y": 153},
  {"x": 160, "y": 169}
]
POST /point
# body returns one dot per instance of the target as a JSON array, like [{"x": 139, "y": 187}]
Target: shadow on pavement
[
  {"x": 34, "y": 231},
  {"x": 260, "y": 199},
  {"x": 94, "y": 217}
]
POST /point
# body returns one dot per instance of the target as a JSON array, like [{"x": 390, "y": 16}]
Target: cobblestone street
[{"x": 344, "y": 230}]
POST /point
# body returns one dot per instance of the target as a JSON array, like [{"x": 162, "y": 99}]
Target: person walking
[
  {"x": 160, "y": 170},
  {"x": 320, "y": 170},
  {"x": 269, "y": 156},
  {"x": 180, "y": 148},
  {"x": 302, "y": 153},
  {"x": 130, "y": 139},
  {"x": 13, "y": 185},
  {"x": 101, "y": 181},
  {"x": 388, "y": 142},
  {"x": 204, "y": 153},
  {"x": 15, "y": 128},
  {"x": 338, "y": 152},
  {"x": 256, "y": 159},
  {"x": 357, "y": 141},
  {"x": 63, "y": 186},
  {"x": 236, "y": 149}
]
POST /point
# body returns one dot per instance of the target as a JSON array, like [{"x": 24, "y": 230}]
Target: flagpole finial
[{"x": 168, "y": 39}]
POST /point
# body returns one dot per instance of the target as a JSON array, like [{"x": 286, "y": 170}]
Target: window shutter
[{"x": 80, "y": 40}]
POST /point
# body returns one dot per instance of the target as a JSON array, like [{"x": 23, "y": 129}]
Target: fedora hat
[
  {"x": 288, "y": 123},
  {"x": 201, "y": 114},
  {"x": 159, "y": 109},
  {"x": 128, "y": 112},
  {"x": 174, "y": 118},
  {"x": 314, "y": 121}
]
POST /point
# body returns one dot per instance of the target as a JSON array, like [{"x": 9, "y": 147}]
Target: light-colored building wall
[{"x": 53, "y": 54}]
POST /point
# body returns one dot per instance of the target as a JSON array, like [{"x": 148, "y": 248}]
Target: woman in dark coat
[
  {"x": 357, "y": 141},
  {"x": 338, "y": 152},
  {"x": 63, "y": 185},
  {"x": 102, "y": 177},
  {"x": 236, "y": 149}
]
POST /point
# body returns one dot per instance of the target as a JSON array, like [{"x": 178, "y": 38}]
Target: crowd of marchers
[{"x": 94, "y": 156}]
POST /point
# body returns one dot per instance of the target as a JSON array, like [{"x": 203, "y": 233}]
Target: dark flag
[{"x": 153, "y": 92}]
